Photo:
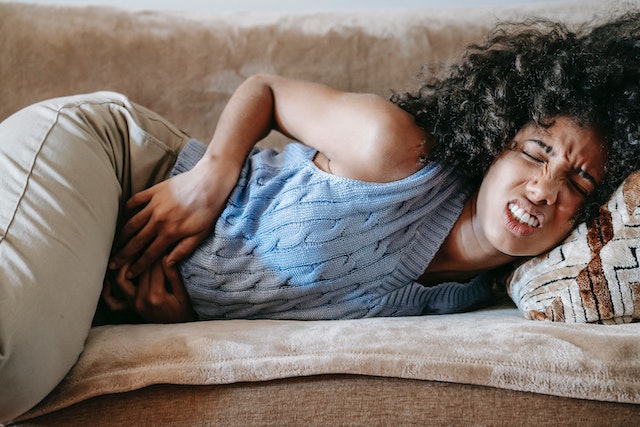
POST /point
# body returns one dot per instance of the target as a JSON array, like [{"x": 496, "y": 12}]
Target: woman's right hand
[{"x": 174, "y": 216}]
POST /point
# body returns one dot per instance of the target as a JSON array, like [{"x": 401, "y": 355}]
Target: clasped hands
[
  {"x": 165, "y": 223},
  {"x": 157, "y": 295}
]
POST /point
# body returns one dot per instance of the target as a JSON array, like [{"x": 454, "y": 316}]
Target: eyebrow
[{"x": 549, "y": 150}]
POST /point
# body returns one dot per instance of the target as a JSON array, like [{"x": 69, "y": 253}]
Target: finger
[
  {"x": 141, "y": 198},
  {"x": 127, "y": 287},
  {"x": 137, "y": 244},
  {"x": 112, "y": 302},
  {"x": 142, "y": 292},
  {"x": 184, "y": 248},
  {"x": 185, "y": 311},
  {"x": 172, "y": 274},
  {"x": 157, "y": 288},
  {"x": 155, "y": 250},
  {"x": 135, "y": 223}
]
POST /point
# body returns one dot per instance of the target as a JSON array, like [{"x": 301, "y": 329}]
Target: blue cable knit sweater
[{"x": 295, "y": 242}]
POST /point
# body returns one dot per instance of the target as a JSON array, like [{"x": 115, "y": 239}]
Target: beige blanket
[{"x": 495, "y": 347}]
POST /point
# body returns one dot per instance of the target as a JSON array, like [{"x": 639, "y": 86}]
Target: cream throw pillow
[{"x": 594, "y": 275}]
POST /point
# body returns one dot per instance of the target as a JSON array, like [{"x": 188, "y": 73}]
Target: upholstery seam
[{"x": 28, "y": 177}]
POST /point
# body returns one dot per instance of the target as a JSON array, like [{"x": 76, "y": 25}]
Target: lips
[
  {"x": 522, "y": 216},
  {"x": 522, "y": 220}
]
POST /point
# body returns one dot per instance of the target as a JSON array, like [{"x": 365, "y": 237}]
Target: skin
[
  {"x": 158, "y": 295},
  {"x": 363, "y": 137},
  {"x": 547, "y": 173}
]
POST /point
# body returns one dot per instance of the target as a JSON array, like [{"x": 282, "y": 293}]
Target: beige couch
[{"x": 491, "y": 367}]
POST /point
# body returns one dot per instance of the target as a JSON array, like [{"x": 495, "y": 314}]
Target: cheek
[
  {"x": 561, "y": 225},
  {"x": 505, "y": 168},
  {"x": 569, "y": 206},
  {"x": 500, "y": 180}
]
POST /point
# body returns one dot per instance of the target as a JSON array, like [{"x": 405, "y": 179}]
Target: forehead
[
  {"x": 565, "y": 139},
  {"x": 564, "y": 131}
]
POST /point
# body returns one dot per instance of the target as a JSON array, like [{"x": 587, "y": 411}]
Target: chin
[
  {"x": 520, "y": 247},
  {"x": 529, "y": 250}
]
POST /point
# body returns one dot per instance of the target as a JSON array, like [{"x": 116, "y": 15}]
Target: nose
[{"x": 543, "y": 190}]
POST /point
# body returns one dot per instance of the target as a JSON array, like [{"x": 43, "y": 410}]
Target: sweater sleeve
[{"x": 454, "y": 297}]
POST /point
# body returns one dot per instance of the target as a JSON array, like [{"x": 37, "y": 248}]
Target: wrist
[{"x": 217, "y": 175}]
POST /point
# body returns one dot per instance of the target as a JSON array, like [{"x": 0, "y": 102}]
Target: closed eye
[
  {"x": 532, "y": 157},
  {"x": 578, "y": 188}
]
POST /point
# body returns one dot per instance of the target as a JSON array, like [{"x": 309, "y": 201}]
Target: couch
[{"x": 495, "y": 366}]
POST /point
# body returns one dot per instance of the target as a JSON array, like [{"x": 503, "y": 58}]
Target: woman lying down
[
  {"x": 385, "y": 208},
  {"x": 380, "y": 208}
]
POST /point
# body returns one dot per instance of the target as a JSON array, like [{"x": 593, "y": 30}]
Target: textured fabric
[
  {"x": 295, "y": 242},
  {"x": 66, "y": 164},
  {"x": 496, "y": 347},
  {"x": 185, "y": 66},
  {"x": 344, "y": 400},
  {"x": 594, "y": 275}
]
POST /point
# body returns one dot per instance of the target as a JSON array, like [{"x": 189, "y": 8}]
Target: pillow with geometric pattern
[{"x": 594, "y": 275}]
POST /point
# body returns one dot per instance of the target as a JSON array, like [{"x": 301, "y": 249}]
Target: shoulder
[
  {"x": 390, "y": 143},
  {"x": 397, "y": 143}
]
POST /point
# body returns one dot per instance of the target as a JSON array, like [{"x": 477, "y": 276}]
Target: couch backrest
[{"x": 186, "y": 66}]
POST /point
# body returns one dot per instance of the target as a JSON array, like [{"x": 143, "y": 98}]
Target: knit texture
[{"x": 295, "y": 242}]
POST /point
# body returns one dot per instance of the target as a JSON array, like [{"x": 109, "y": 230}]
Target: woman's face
[{"x": 531, "y": 193}]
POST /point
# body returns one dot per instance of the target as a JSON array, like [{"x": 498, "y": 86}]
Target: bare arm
[
  {"x": 365, "y": 136},
  {"x": 361, "y": 136}
]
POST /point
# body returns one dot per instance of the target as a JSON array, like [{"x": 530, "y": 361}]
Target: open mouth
[{"x": 523, "y": 217}]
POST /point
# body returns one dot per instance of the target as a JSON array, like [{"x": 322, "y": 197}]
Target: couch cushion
[{"x": 495, "y": 347}]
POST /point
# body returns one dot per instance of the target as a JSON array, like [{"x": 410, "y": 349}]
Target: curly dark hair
[{"x": 535, "y": 71}]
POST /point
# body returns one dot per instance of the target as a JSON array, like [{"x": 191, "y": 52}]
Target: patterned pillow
[{"x": 594, "y": 275}]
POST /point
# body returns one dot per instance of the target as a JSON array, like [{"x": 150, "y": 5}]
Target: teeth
[{"x": 523, "y": 216}]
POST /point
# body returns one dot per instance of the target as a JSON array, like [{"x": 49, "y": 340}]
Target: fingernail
[{"x": 113, "y": 265}]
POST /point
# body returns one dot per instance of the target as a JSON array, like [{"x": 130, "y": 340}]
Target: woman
[{"x": 545, "y": 117}]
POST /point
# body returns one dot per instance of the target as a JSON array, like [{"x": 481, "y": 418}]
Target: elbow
[{"x": 261, "y": 80}]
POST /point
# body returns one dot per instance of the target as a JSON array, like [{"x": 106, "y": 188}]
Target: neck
[{"x": 465, "y": 252}]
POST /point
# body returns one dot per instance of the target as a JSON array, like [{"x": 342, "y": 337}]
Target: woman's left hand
[{"x": 157, "y": 295}]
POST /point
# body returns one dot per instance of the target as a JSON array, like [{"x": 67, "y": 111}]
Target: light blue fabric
[{"x": 295, "y": 242}]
